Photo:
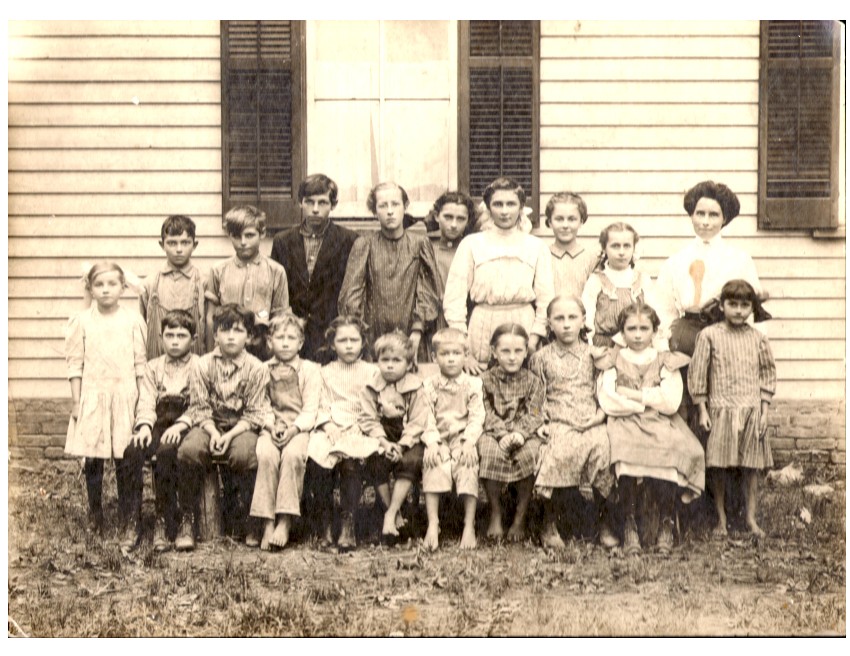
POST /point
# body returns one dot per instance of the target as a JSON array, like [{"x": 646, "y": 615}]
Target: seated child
[
  {"x": 576, "y": 453},
  {"x": 163, "y": 399},
  {"x": 650, "y": 442},
  {"x": 228, "y": 407},
  {"x": 337, "y": 443},
  {"x": 249, "y": 279},
  {"x": 293, "y": 393},
  {"x": 177, "y": 286},
  {"x": 395, "y": 410},
  {"x": 451, "y": 453},
  {"x": 509, "y": 446}
]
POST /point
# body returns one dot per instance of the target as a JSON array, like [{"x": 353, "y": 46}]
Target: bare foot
[
  {"x": 516, "y": 533},
  {"x": 550, "y": 537},
  {"x": 755, "y": 529},
  {"x": 400, "y": 521},
  {"x": 390, "y": 524},
  {"x": 281, "y": 534},
  {"x": 268, "y": 530},
  {"x": 432, "y": 537},
  {"x": 327, "y": 537},
  {"x": 719, "y": 532},
  {"x": 468, "y": 539},
  {"x": 495, "y": 531}
]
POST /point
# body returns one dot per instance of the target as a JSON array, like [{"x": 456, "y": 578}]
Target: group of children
[{"x": 557, "y": 381}]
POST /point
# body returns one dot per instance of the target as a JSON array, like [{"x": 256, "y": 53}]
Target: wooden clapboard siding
[
  {"x": 635, "y": 113},
  {"x": 113, "y": 125}
]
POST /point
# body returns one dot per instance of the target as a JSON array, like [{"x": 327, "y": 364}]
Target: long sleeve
[
  {"x": 493, "y": 423},
  {"x": 74, "y": 347},
  {"x": 369, "y": 419},
  {"x": 212, "y": 288},
  {"x": 311, "y": 392},
  {"x": 426, "y": 305},
  {"x": 475, "y": 409},
  {"x": 143, "y": 299},
  {"x": 532, "y": 418},
  {"x": 544, "y": 290},
  {"x": 612, "y": 403},
  {"x": 767, "y": 371},
  {"x": 698, "y": 370},
  {"x": 664, "y": 297},
  {"x": 352, "y": 294},
  {"x": 592, "y": 289},
  {"x": 419, "y": 418},
  {"x": 146, "y": 405},
  {"x": 200, "y": 410},
  {"x": 668, "y": 395},
  {"x": 140, "y": 354},
  {"x": 280, "y": 289},
  {"x": 256, "y": 408},
  {"x": 458, "y": 282}
]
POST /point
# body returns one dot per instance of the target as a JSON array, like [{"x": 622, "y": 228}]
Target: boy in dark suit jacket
[{"x": 314, "y": 255}]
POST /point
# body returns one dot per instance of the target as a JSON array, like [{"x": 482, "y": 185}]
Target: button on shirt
[
  {"x": 312, "y": 245},
  {"x": 258, "y": 285}
]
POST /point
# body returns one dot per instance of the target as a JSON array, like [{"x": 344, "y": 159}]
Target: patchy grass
[{"x": 65, "y": 582}]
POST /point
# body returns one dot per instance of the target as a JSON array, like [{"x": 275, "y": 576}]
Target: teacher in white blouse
[{"x": 694, "y": 276}]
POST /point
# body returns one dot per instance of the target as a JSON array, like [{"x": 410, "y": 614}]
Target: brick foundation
[{"x": 803, "y": 431}]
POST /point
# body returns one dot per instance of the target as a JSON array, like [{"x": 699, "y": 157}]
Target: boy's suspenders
[
  {"x": 156, "y": 314},
  {"x": 154, "y": 345}
]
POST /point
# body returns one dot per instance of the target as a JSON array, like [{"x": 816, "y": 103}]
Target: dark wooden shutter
[
  {"x": 798, "y": 125},
  {"x": 499, "y": 105},
  {"x": 262, "y": 110}
]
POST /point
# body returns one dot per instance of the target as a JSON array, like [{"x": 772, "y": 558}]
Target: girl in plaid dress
[{"x": 513, "y": 405}]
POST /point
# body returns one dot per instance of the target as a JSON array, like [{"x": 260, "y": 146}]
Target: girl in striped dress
[
  {"x": 732, "y": 380},
  {"x": 513, "y": 407},
  {"x": 615, "y": 284}
]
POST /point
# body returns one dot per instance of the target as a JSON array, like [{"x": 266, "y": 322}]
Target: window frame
[
  {"x": 289, "y": 213},
  {"x": 463, "y": 139},
  {"x": 804, "y": 211}
]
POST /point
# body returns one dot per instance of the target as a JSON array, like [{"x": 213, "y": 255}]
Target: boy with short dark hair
[
  {"x": 228, "y": 409},
  {"x": 249, "y": 278},
  {"x": 163, "y": 399},
  {"x": 178, "y": 285}
]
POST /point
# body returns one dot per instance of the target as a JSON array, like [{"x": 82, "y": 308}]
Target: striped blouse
[
  {"x": 342, "y": 385},
  {"x": 571, "y": 270},
  {"x": 732, "y": 367}
]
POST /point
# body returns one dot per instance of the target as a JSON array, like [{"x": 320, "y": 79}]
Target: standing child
[
  {"x": 337, "y": 442},
  {"x": 650, "y": 442},
  {"x": 509, "y": 445},
  {"x": 177, "y": 286},
  {"x": 505, "y": 272},
  {"x": 732, "y": 379},
  {"x": 293, "y": 394},
  {"x": 227, "y": 411},
  {"x": 249, "y": 279},
  {"x": 615, "y": 284},
  {"x": 572, "y": 264},
  {"x": 391, "y": 278},
  {"x": 451, "y": 454},
  {"x": 576, "y": 453},
  {"x": 395, "y": 411},
  {"x": 453, "y": 218},
  {"x": 105, "y": 352},
  {"x": 163, "y": 399}
]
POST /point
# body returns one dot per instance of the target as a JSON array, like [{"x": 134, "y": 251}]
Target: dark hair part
[
  {"x": 638, "y": 309},
  {"x": 372, "y": 198},
  {"x": 316, "y": 185},
  {"x": 178, "y": 319},
  {"x": 244, "y": 216},
  {"x": 103, "y": 267},
  {"x": 566, "y": 197},
  {"x": 230, "y": 315},
  {"x": 504, "y": 184},
  {"x": 176, "y": 225},
  {"x": 604, "y": 236},
  {"x": 394, "y": 341},
  {"x": 583, "y": 331},
  {"x": 456, "y": 198},
  {"x": 725, "y": 197},
  {"x": 508, "y": 329},
  {"x": 740, "y": 290}
]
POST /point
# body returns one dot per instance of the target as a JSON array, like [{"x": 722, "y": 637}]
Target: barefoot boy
[
  {"x": 227, "y": 410},
  {"x": 450, "y": 455},
  {"x": 163, "y": 398},
  {"x": 249, "y": 278},
  {"x": 294, "y": 388}
]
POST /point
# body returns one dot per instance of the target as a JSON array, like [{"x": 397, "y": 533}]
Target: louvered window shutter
[
  {"x": 798, "y": 125},
  {"x": 262, "y": 150},
  {"x": 499, "y": 105}
]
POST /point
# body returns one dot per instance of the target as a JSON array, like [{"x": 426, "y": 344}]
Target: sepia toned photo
[{"x": 421, "y": 328}]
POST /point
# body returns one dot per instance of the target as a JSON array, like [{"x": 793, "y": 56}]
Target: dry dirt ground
[{"x": 66, "y": 582}]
